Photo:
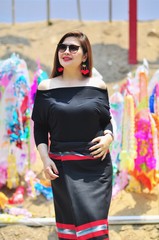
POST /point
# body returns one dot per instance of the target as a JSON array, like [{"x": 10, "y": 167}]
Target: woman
[{"x": 72, "y": 107}]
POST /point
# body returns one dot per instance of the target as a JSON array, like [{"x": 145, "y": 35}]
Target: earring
[
  {"x": 60, "y": 69},
  {"x": 84, "y": 69}
]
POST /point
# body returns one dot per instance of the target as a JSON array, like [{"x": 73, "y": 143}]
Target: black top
[{"x": 72, "y": 116}]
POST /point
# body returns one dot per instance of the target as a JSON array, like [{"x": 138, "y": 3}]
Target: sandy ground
[{"x": 37, "y": 41}]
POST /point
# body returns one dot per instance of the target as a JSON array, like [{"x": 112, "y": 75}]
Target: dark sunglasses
[{"x": 72, "y": 48}]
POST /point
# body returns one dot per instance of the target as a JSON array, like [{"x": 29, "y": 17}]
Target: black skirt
[{"x": 82, "y": 196}]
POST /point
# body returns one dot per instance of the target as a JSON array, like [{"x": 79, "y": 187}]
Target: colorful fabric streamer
[
  {"x": 15, "y": 111},
  {"x": 39, "y": 75},
  {"x": 128, "y": 152}
]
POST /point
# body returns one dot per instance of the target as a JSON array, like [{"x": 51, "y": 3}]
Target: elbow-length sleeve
[
  {"x": 106, "y": 116},
  {"x": 40, "y": 116}
]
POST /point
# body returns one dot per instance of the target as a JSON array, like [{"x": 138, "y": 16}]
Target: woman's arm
[
  {"x": 102, "y": 143},
  {"x": 50, "y": 168},
  {"x": 41, "y": 141},
  {"x": 109, "y": 130}
]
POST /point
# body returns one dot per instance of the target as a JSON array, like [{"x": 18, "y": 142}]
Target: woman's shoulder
[
  {"x": 98, "y": 82},
  {"x": 48, "y": 84},
  {"x": 44, "y": 84}
]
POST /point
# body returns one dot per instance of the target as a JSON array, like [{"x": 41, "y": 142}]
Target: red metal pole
[{"x": 132, "y": 31}]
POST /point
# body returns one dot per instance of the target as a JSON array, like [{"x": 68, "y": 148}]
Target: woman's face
[{"x": 70, "y": 53}]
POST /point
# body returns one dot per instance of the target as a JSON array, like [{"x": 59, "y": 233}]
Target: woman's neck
[{"x": 72, "y": 77}]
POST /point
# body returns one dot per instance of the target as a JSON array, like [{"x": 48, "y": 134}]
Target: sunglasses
[{"x": 72, "y": 48}]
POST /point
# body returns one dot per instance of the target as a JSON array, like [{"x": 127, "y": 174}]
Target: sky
[{"x": 91, "y": 10}]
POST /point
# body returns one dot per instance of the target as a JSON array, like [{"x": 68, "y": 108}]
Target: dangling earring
[
  {"x": 84, "y": 69},
  {"x": 60, "y": 69}
]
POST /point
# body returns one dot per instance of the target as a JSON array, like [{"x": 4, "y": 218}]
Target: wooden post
[
  {"x": 132, "y": 31},
  {"x": 79, "y": 10},
  {"x": 48, "y": 13},
  {"x": 110, "y": 10},
  {"x": 13, "y": 12}
]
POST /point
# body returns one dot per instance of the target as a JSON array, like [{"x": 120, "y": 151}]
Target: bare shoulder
[
  {"x": 50, "y": 83},
  {"x": 102, "y": 84},
  {"x": 44, "y": 85},
  {"x": 98, "y": 82}
]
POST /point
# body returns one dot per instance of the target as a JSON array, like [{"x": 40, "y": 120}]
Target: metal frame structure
[{"x": 113, "y": 220}]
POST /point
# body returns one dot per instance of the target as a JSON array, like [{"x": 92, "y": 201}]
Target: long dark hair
[{"x": 86, "y": 46}]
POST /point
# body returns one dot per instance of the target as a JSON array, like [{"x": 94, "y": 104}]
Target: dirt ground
[
  {"x": 37, "y": 41},
  {"x": 124, "y": 204}
]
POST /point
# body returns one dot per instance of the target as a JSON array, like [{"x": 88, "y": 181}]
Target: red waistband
[{"x": 68, "y": 156}]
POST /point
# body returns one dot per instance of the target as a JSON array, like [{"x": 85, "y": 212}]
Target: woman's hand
[
  {"x": 101, "y": 147},
  {"x": 50, "y": 169}
]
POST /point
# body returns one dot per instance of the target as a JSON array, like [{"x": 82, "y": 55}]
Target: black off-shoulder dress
[{"x": 72, "y": 117}]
